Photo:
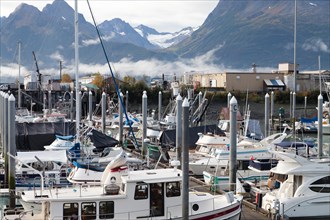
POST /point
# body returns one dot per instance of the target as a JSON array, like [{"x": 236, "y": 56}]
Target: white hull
[
  {"x": 303, "y": 190},
  {"x": 326, "y": 129},
  {"x": 211, "y": 164},
  {"x": 313, "y": 207},
  {"x": 128, "y": 202},
  {"x": 222, "y": 182}
]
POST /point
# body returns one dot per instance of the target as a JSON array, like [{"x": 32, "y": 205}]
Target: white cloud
[
  {"x": 151, "y": 67},
  {"x": 10, "y": 72},
  {"x": 86, "y": 43},
  {"x": 56, "y": 56},
  {"x": 316, "y": 45}
]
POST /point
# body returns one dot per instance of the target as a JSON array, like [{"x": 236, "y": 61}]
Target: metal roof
[{"x": 274, "y": 82}]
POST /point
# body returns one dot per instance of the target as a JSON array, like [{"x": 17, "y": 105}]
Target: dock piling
[
  {"x": 121, "y": 123},
  {"x": 233, "y": 144},
  {"x": 185, "y": 159},
  {"x": 104, "y": 108},
  {"x": 144, "y": 121},
  {"x": 320, "y": 125},
  {"x": 179, "y": 129},
  {"x": 12, "y": 149}
]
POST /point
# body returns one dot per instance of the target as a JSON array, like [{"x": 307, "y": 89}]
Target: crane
[{"x": 37, "y": 70}]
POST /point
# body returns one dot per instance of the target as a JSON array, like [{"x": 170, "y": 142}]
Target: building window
[
  {"x": 107, "y": 210},
  {"x": 70, "y": 211}
]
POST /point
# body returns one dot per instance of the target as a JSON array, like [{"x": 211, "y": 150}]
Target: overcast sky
[{"x": 163, "y": 15}]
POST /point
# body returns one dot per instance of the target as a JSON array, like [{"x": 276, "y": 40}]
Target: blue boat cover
[
  {"x": 308, "y": 120},
  {"x": 68, "y": 137}
]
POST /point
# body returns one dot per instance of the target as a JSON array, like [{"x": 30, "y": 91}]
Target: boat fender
[{"x": 230, "y": 197}]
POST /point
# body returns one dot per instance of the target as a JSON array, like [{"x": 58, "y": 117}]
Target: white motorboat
[
  {"x": 302, "y": 189},
  {"x": 90, "y": 172},
  {"x": 142, "y": 194},
  {"x": 61, "y": 143},
  {"x": 211, "y": 149}
]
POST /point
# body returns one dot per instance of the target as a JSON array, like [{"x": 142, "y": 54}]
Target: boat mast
[
  {"x": 19, "y": 75},
  {"x": 77, "y": 70},
  {"x": 294, "y": 69},
  {"x": 320, "y": 78}
]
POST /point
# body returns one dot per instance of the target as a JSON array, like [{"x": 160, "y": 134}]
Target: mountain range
[{"x": 235, "y": 35}]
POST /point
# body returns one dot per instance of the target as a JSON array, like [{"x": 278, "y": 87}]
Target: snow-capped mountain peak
[{"x": 163, "y": 39}]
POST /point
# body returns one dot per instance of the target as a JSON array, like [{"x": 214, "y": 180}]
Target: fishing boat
[
  {"x": 124, "y": 194},
  {"x": 302, "y": 190}
]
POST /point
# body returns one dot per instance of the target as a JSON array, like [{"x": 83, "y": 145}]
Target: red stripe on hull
[{"x": 217, "y": 215}]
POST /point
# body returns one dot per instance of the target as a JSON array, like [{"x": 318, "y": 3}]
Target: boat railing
[
  {"x": 299, "y": 148},
  {"x": 14, "y": 211}
]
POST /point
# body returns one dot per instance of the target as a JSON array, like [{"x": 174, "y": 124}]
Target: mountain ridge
[{"x": 237, "y": 33}]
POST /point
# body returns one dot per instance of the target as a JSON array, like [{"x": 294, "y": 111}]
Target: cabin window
[
  {"x": 320, "y": 189},
  {"x": 70, "y": 211},
  {"x": 243, "y": 164},
  {"x": 280, "y": 177},
  {"x": 107, "y": 210},
  {"x": 141, "y": 191},
  {"x": 321, "y": 185},
  {"x": 324, "y": 180},
  {"x": 173, "y": 189},
  {"x": 88, "y": 210}
]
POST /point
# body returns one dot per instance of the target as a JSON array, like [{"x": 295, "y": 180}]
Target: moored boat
[{"x": 142, "y": 194}]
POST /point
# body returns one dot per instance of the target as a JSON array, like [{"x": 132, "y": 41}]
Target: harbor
[{"x": 156, "y": 159}]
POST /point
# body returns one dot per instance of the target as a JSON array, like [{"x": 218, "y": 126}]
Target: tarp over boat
[
  {"x": 34, "y": 136},
  {"x": 168, "y": 137},
  {"x": 101, "y": 140}
]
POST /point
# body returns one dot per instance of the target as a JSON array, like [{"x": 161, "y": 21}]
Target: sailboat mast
[
  {"x": 19, "y": 76},
  {"x": 77, "y": 70},
  {"x": 320, "y": 78},
  {"x": 294, "y": 46}
]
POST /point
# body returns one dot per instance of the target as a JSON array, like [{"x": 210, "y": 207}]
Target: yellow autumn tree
[
  {"x": 66, "y": 78},
  {"x": 98, "y": 80}
]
